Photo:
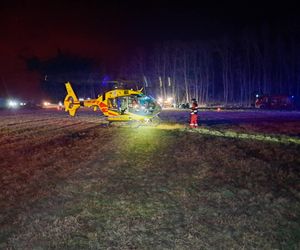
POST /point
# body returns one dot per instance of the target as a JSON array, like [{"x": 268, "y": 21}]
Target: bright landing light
[{"x": 12, "y": 104}]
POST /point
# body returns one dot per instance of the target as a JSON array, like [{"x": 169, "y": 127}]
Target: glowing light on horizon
[{"x": 12, "y": 103}]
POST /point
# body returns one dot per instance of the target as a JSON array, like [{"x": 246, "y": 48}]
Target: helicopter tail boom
[{"x": 71, "y": 101}]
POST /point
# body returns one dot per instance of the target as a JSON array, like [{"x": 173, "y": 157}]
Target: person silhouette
[{"x": 194, "y": 114}]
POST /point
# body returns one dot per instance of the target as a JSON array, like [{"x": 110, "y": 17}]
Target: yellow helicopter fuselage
[{"x": 116, "y": 105}]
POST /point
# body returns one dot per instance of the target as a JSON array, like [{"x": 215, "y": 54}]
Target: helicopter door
[
  {"x": 123, "y": 102},
  {"x": 119, "y": 104},
  {"x": 112, "y": 104}
]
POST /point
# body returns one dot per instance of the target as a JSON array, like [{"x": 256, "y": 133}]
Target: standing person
[
  {"x": 119, "y": 104},
  {"x": 194, "y": 114},
  {"x": 123, "y": 106}
]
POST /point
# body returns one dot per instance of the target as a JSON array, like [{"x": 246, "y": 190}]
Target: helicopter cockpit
[{"x": 136, "y": 104}]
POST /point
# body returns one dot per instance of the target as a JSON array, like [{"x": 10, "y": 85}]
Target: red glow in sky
[
  {"x": 38, "y": 29},
  {"x": 106, "y": 30}
]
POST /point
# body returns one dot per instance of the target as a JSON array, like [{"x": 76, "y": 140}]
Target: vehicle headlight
[{"x": 12, "y": 104}]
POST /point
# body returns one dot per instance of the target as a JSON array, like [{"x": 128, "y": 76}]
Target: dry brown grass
[
  {"x": 73, "y": 184},
  {"x": 279, "y": 127}
]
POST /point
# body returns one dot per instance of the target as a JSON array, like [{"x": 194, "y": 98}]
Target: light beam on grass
[
  {"x": 258, "y": 137},
  {"x": 142, "y": 138},
  {"x": 232, "y": 134}
]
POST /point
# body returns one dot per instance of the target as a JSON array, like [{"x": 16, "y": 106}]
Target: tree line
[{"x": 228, "y": 70}]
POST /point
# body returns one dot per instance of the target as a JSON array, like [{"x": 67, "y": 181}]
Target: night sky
[{"x": 108, "y": 30}]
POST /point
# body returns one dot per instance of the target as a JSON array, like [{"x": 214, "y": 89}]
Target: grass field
[{"x": 77, "y": 184}]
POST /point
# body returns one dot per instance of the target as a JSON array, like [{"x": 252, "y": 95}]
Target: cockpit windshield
[
  {"x": 143, "y": 105},
  {"x": 135, "y": 104}
]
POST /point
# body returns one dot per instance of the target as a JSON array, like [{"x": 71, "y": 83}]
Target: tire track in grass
[
  {"x": 33, "y": 126},
  {"x": 18, "y": 145},
  {"x": 19, "y": 118},
  {"x": 24, "y": 133},
  {"x": 26, "y": 165},
  {"x": 18, "y": 140},
  {"x": 19, "y": 122},
  {"x": 24, "y": 122},
  {"x": 35, "y": 178},
  {"x": 28, "y": 127},
  {"x": 18, "y": 130}
]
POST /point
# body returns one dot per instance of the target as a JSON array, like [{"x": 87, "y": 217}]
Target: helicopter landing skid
[{"x": 151, "y": 122}]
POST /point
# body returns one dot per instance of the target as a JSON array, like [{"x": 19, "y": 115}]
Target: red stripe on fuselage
[{"x": 103, "y": 107}]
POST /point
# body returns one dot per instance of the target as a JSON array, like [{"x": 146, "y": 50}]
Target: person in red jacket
[{"x": 194, "y": 114}]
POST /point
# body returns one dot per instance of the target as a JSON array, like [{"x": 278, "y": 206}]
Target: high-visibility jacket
[{"x": 194, "y": 109}]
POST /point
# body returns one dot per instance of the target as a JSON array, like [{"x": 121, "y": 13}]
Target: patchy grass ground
[{"x": 74, "y": 184}]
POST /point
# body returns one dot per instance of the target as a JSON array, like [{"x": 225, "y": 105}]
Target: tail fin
[{"x": 71, "y": 101}]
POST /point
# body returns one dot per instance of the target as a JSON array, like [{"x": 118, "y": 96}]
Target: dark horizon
[{"x": 110, "y": 33}]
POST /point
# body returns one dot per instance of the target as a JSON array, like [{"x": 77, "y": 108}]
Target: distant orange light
[{"x": 218, "y": 109}]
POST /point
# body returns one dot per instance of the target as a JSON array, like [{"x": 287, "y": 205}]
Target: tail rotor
[{"x": 71, "y": 101}]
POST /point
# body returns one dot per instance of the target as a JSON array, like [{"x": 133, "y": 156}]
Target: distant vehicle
[
  {"x": 167, "y": 102},
  {"x": 275, "y": 102},
  {"x": 30, "y": 105},
  {"x": 184, "y": 105},
  {"x": 117, "y": 104},
  {"x": 48, "y": 105}
]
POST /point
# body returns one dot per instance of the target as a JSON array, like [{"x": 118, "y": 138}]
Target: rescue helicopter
[{"x": 118, "y": 105}]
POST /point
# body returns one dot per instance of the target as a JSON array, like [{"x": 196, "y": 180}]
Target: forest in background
[{"x": 229, "y": 70}]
